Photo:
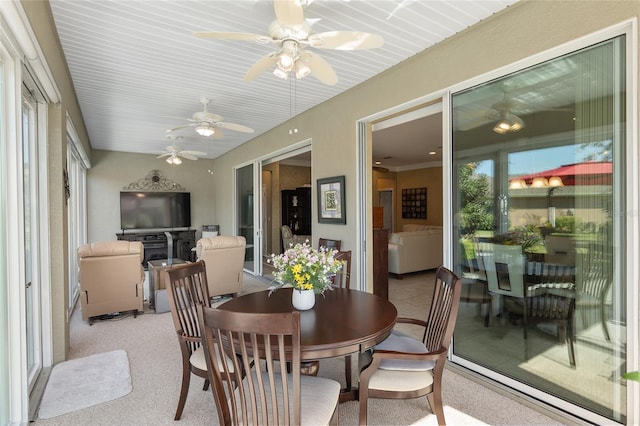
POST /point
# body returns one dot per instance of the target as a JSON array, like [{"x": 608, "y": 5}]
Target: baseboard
[{"x": 513, "y": 394}]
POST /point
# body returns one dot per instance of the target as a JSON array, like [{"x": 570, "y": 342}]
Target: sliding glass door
[
  {"x": 30, "y": 217},
  {"x": 539, "y": 174}
]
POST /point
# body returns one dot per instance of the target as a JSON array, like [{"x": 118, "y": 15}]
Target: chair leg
[
  {"x": 184, "y": 390},
  {"x": 603, "y": 320},
  {"x": 205, "y": 387},
  {"x": 571, "y": 337},
  {"x": 363, "y": 396},
  {"x": 435, "y": 401}
]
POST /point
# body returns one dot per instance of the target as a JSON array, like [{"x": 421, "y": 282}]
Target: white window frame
[{"x": 629, "y": 30}]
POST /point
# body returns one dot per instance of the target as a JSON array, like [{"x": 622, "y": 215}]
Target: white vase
[{"x": 303, "y": 300}]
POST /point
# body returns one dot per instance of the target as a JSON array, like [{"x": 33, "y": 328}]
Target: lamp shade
[
  {"x": 517, "y": 184},
  {"x": 555, "y": 181},
  {"x": 539, "y": 182},
  {"x": 302, "y": 69}
]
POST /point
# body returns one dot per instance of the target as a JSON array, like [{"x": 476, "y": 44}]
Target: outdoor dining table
[{"x": 342, "y": 322}]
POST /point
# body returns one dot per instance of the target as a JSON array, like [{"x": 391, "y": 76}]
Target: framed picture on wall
[
  {"x": 331, "y": 200},
  {"x": 414, "y": 203}
]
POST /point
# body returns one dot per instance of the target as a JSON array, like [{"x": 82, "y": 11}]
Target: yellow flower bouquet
[{"x": 305, "y": 268}]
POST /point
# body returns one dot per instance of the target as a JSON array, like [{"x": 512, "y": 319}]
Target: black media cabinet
[{"x": 156, "y": 246}]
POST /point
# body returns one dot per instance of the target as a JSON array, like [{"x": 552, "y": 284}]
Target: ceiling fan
[
  {"x": 505, "y": 114},
  {"x": 210, "y": 124},
  {"x": 292, "y": 34},
  {"x": 174, "y": 153}
]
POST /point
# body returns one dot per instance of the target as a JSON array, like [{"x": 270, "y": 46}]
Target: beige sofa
[
  {"x": 223, "y": 256},
  {"x": 416, "y": 248},
  {"x": 111, "y": 277}
]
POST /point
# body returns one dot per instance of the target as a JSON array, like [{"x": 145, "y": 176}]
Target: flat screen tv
[{"x": 146, "y": 210}]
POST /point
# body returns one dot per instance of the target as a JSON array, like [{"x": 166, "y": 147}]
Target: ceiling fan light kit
[
  {"x": 174, "y": 160},
  {"x": 508, "y": 123},
  {"x": 205, "y": 130}
]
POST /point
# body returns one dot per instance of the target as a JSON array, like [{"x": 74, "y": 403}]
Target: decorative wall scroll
[
  {"x": 414, "y": 203},
  {"x": 154, "y": 181}
]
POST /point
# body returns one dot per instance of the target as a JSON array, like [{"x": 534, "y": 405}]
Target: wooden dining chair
[
  {"x": 330, "y": 244},
  {"x": 187, "y": 288},
  {"x": 268, "y": 394},
  {"x": 475, "y": 288},
  {"x": 593, "y": 283},
  {"x": 342, "y": 279},
  {"x": 402, "y": 367}
]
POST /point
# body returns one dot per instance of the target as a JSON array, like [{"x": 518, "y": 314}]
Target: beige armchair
[
  {"x": 288, "y": 238},
  {"x": 111, "y": 278},
  {"x": 224, "y": 258}
]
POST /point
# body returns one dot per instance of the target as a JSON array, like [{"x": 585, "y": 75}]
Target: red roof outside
[{"x": 587, "y": 173}]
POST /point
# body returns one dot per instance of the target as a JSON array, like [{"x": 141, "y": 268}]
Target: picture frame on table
[{"x": 331, "y": 200}]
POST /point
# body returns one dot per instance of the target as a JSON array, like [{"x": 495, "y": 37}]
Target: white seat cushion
[
  {"x": 400, "y": 380},
  {"x": 400, "y": 342},
  {"x": 197, "y": 359},
  {"x": 319, "y": 398}
]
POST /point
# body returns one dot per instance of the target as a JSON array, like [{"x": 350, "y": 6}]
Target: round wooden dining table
[{"x": 342, "y": 322}]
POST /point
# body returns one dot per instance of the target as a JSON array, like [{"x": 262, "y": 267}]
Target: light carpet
[{"x": 85, "y": 382}]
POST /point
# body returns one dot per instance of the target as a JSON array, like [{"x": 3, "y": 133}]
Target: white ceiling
[{"x": 139, "y": 71}]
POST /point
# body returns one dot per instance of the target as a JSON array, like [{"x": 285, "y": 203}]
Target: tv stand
[{"x": 156, "y": 247}]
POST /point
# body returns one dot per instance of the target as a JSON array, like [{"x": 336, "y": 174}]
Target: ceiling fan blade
[
  {"x": 166, "y": 154},
  {"x": 345, "y": 40},
  {"x": 181, "y": 127},
  {"x": 188, "y": 156},
  {"x": 260, "y": 66},
  {"x": 288, "y": 12},
  {"x": 196, "y": 153},
  {"x": 320, "y": 68},
  {"x": 234, "y": 126},
  {"x": 171, "y": 148},
  {"x": 232, "y": 36},
  {"x": 219, "y": 134}
]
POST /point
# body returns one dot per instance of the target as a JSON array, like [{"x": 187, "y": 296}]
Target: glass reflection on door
[
  {"x": 538, "y": 178},
  {"x": 245, "y": 212}
]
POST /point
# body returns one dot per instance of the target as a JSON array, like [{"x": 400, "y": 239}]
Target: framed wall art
[
  {"x": 331, "y": 200},
  {"x": 414, "y": 203}
]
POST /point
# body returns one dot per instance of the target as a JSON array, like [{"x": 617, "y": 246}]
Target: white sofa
[{"x": 416, "y": 248}]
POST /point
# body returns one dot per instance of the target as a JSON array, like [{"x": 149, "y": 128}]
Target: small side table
[{"x": 156, "y": 279}]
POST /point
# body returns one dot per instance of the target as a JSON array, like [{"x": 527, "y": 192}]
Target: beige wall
[
  {"x": 112, "y": 171},
  {"x": 524, "y": 29},
  {"x": 431, "y": 179}
]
